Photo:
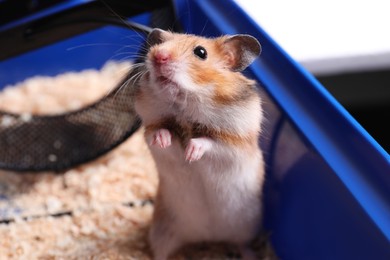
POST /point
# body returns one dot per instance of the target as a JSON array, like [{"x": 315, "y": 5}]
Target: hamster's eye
[{"x": 200, "y": 52}]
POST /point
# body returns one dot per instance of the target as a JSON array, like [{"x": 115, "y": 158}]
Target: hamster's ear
[
  {"x": 241, "y": 50},
  {"x": 156, "y": 36}
]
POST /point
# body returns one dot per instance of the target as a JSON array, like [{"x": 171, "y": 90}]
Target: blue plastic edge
[
  {"x": 45, "y": 12},
  {"x": 357, "y": 159},
  {"x": 90, "y": 49}
]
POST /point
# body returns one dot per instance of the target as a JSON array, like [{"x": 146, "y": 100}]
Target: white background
[{"x": 327, "y": 36}]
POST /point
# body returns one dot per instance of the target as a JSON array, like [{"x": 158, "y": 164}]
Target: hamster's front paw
[
  {"x": 196, "y": 148},
  {"x": 162, "y": 138}
]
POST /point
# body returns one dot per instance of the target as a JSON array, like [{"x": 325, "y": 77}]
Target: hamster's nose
[{"x": 162, "y": 56}]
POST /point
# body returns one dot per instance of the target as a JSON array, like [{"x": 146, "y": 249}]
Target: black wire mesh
[
  {"x": 40, "y": 143},
  {"x": 59, "y": 142}
]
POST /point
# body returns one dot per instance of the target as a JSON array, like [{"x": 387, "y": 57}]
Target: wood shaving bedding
[
  {"x": 99, "y": 210},
  {"x": 62, "y": 93}
]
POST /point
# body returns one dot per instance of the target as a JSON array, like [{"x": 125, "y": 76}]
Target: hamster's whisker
[
  {"x": 92, "y": 45},
  {"x": 137, "y": 38},
  {"x": 129, "y": 56},
  {"x": 134, "y": 78},
  {"x": 118, "y": 16},
  {"x": 131, "y": 47}
]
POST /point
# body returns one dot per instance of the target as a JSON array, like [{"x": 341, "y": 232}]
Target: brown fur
[{"x": 184, "y": 131}]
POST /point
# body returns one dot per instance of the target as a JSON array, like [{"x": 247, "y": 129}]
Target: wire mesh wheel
[
  {"x": 38, "y": 143},
  {"x": 58, "y": 142}
]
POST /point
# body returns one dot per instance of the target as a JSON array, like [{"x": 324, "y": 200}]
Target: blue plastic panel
[
  {"x": 45, "y": 12},
  {"x": 328, "y": 181},
  {"x": 88, "y": 50}
]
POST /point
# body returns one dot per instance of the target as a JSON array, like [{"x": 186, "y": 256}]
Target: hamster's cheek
[{"x": 185, "y": 81}]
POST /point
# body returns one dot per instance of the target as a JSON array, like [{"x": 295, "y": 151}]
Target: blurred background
[{"x": 344, "y": 44}]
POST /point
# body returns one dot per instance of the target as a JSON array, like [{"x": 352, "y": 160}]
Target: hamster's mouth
[
  {"x": 165, "y": 82},
  {"x": 168, "y": 86},
  {"x": 162, "y": 79}
]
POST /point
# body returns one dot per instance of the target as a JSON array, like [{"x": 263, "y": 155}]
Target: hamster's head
[{"x": 198, "y": 66}]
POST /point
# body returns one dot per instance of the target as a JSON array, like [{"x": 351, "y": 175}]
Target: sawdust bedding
[{"x": 99, "y": 210}]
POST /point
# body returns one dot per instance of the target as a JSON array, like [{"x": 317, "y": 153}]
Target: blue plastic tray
[
  {"x": 328, "y": 181},
  {"x": 327, "y": 192}
]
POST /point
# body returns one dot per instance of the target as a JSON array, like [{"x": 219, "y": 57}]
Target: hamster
[{"x": 202, "y": 120}]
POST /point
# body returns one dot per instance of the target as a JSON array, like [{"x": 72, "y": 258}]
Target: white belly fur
[{"x": 217, "y": 198}]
